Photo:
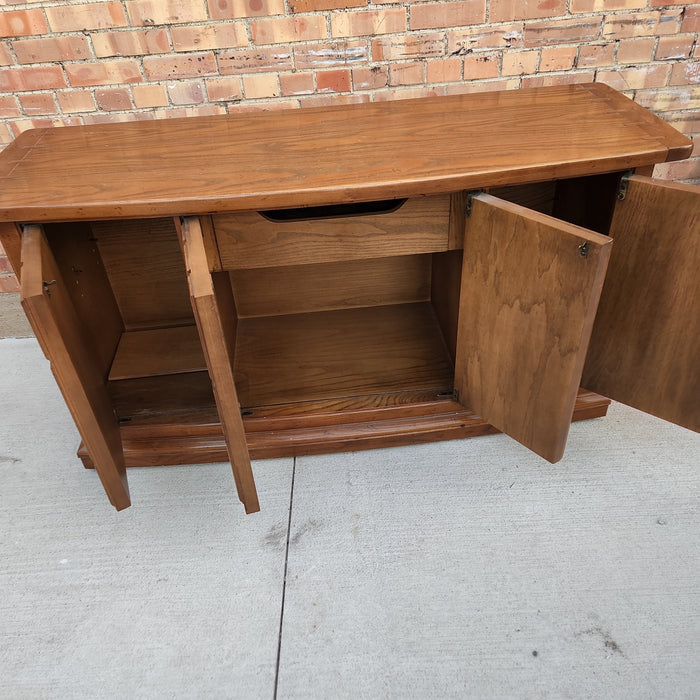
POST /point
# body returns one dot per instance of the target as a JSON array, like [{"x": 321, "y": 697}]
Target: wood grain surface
[
  {"x": 329, "y": 155},
  {"x": 645, "y": 347},
  {"x": 529, "y": 297}
]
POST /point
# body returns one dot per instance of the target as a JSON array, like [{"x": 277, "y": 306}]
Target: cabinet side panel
[
  {"x": 644, "y": 347},
  {"x": 530, "y": 287}
]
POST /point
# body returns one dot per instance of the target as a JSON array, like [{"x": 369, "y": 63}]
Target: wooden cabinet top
[{"x": 328, "y": 155}]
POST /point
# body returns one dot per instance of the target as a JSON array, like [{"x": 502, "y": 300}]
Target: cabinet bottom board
[{"x": 196, "y": 438}]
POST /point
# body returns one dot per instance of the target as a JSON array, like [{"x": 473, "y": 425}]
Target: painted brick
[
  {"x": 9, "y": 109},
  {"x": 337, "y": 80},
  {"x": 22, "y": 23},
  {"x": 443, "y": 70},
  {"x": 397, "y": 48},
  {"x": 590, "y": 55},
  {"x": 558, "y": 58},
  {"x": 606, "y": 5},
  {"x": 179, "y": 66},
  {"x": 329, "y": 55},
  {"x": 146, "y": 96},
  {"x": 222, "y": 35},
  {"x": 685, "y": 74},
  {"x": 568, "y": 78},
  {"x": 55, "y": 48},
  {"x": 370, "y": 78},
  {"x": 509, "y": 10},
  {"x": 228, "y": 9},
  {"x": 187, "y": 93},
  {"x": 435, "y": 15},
  {"x": 224, "y": 89},
  {"x": 674, "y": 47},
  {"x": 636, "y": 24},
  {"x": 75, "y": 18},
  {"x": 579, "y": 30},
  {"x": 407, "y": 73},
  {"x": 519, "y": 62},
  {"x": 464, "y": 41},
  {"x": 480, "y": 67},
  {"x": 75, "y": 101},
  {"x": 37, "y": 103},
  {"x": 124, "y": 70},
  {"x": 635, "y": 50},
  {"x": 254, "y": 61},
  {"x": 149, "y": 12},
  {"x": 368, "y": 22},
  {"x": 320, "y": 5},
  {"x": 288, "y": 29},
  {"x": 30, "y": 78},
  {"x": 114, "y": 100},
  {"x": 264, "y": 85},
  {"x": 297, "y": 84},
  {"x": 130, "y": 43},
  {"x": 636, "y": 78}
]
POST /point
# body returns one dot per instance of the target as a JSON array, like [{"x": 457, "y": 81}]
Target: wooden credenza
[{"x": 360, "y": 276}]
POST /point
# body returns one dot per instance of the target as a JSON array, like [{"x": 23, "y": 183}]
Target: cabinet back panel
[
  {"x": 275, "y": 291},
  {"x": 145, "y": 267}
]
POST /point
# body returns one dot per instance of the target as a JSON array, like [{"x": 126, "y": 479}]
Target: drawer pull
[{"x": 333, "y": 211}]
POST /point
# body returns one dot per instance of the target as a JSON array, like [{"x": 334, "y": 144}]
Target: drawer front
[{"x": 252, "y": 239}]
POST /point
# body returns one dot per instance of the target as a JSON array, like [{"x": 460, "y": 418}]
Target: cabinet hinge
[{"x": 624, "y": 184}]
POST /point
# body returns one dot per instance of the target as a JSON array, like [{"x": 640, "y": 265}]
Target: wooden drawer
[{"x": 329, "y": 234}]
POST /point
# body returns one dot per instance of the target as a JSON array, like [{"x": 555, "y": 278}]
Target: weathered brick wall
[{"x": 87, "y": 62}]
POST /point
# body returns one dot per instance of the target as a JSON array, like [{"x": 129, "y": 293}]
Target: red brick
[
  {"x": 6, "y": 58},
  {"x": 509, "y": 10},
  {"x": 519, "y": 62},
  {"x": 179, "y": 66},
  {"x": 297, "y": 84},
  {"x": 676, "y": 46},
  {"x": 22, "y": 23},
  {"x": 96, "y": 15},
  {"x": 9, "y": 283},
  {"x": 590, "y": 55},
  {"x": 370, "y": 78},
  {"x": 5, "y": 267},
  {"x": 130, "y": 43},
  {"x": 187, "y": 92},
  {"x": 580, "y": 30},
  {"x": 330, "y": 55},
  {"x": 320, "y": 5},
  {"x": 635, "y": 50},
  {"x": 407, "y": 73},
  {"x": 254, "y": 61},
  {"x": 635, "y": 78},
  {"x": 333, "y": 80},
  {"x": 114, "y": 100},
  {"x": 149, "y": 12},
  {"x": 679, "y": 170},
  {"x": 396, "y": 48},
  {"x": 227, "y": 9},
  {"x": 263, "y": 85},
  {"x": 368, "y": 22},
  {"x": 224, "y": 89},
  {"x": 691, "y": 20},
  {"x": 146, "y": 96},
  {"x": 464, "y": 41},
  {"x": 672, "y": 99},
  {"x": 480, "y": 67},
  {"x": 8, "y": 107},
  {"x": 37, "y": 103},
  {"x": 31, "y": 78},
  {"x": 686, "y": 122},
  {"x": 567, "y": 78},
  {"x": 75, "y": 101},
  {"x": 43, "y": 122},
  {"x": 191, "y": 111},
  {"x": 659, "y": 3},
  {"x": 104, "y": 73},
  {"x": 636, "y": 24},
  {"x": 606, "y": 5},
  {"x": 435, "y": 15},
  {"x": 408, "y": 93},
  {"x": 285, "y": 30},
  {"x": 443, "y": 70},
  {"x": 58, "y": 48},
  {"x": 268, "y": 106},
  {"x": 223, "y": 35},
  {"x": 685, "y": 73},
  {"x": 117, "y": 117},
  {"x": 557, "y": 58}
]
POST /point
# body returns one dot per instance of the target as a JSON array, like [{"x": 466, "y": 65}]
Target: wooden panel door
[
  {"x": 215, "y": 313},
  {"x": 530, "y": 288},
  {"x": 74, "y": 361},
  {"x": 645, "y": 347}
]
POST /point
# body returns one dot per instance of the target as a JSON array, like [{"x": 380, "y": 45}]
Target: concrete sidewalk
[{"x": 466, "y": 569}]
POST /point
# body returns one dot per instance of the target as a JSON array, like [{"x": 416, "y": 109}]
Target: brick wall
[{"x": 82, "y": 62}]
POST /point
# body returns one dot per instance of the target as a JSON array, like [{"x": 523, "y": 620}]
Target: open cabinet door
[
  {"x": 74, "y": 362},
  {"x": 645, "y": 347},
  {"x": 530, "y": 288},
  {"x": 214, "y": 310}
]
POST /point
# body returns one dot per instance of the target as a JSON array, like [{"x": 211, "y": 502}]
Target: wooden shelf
[{"x": 348, "y": 352}]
